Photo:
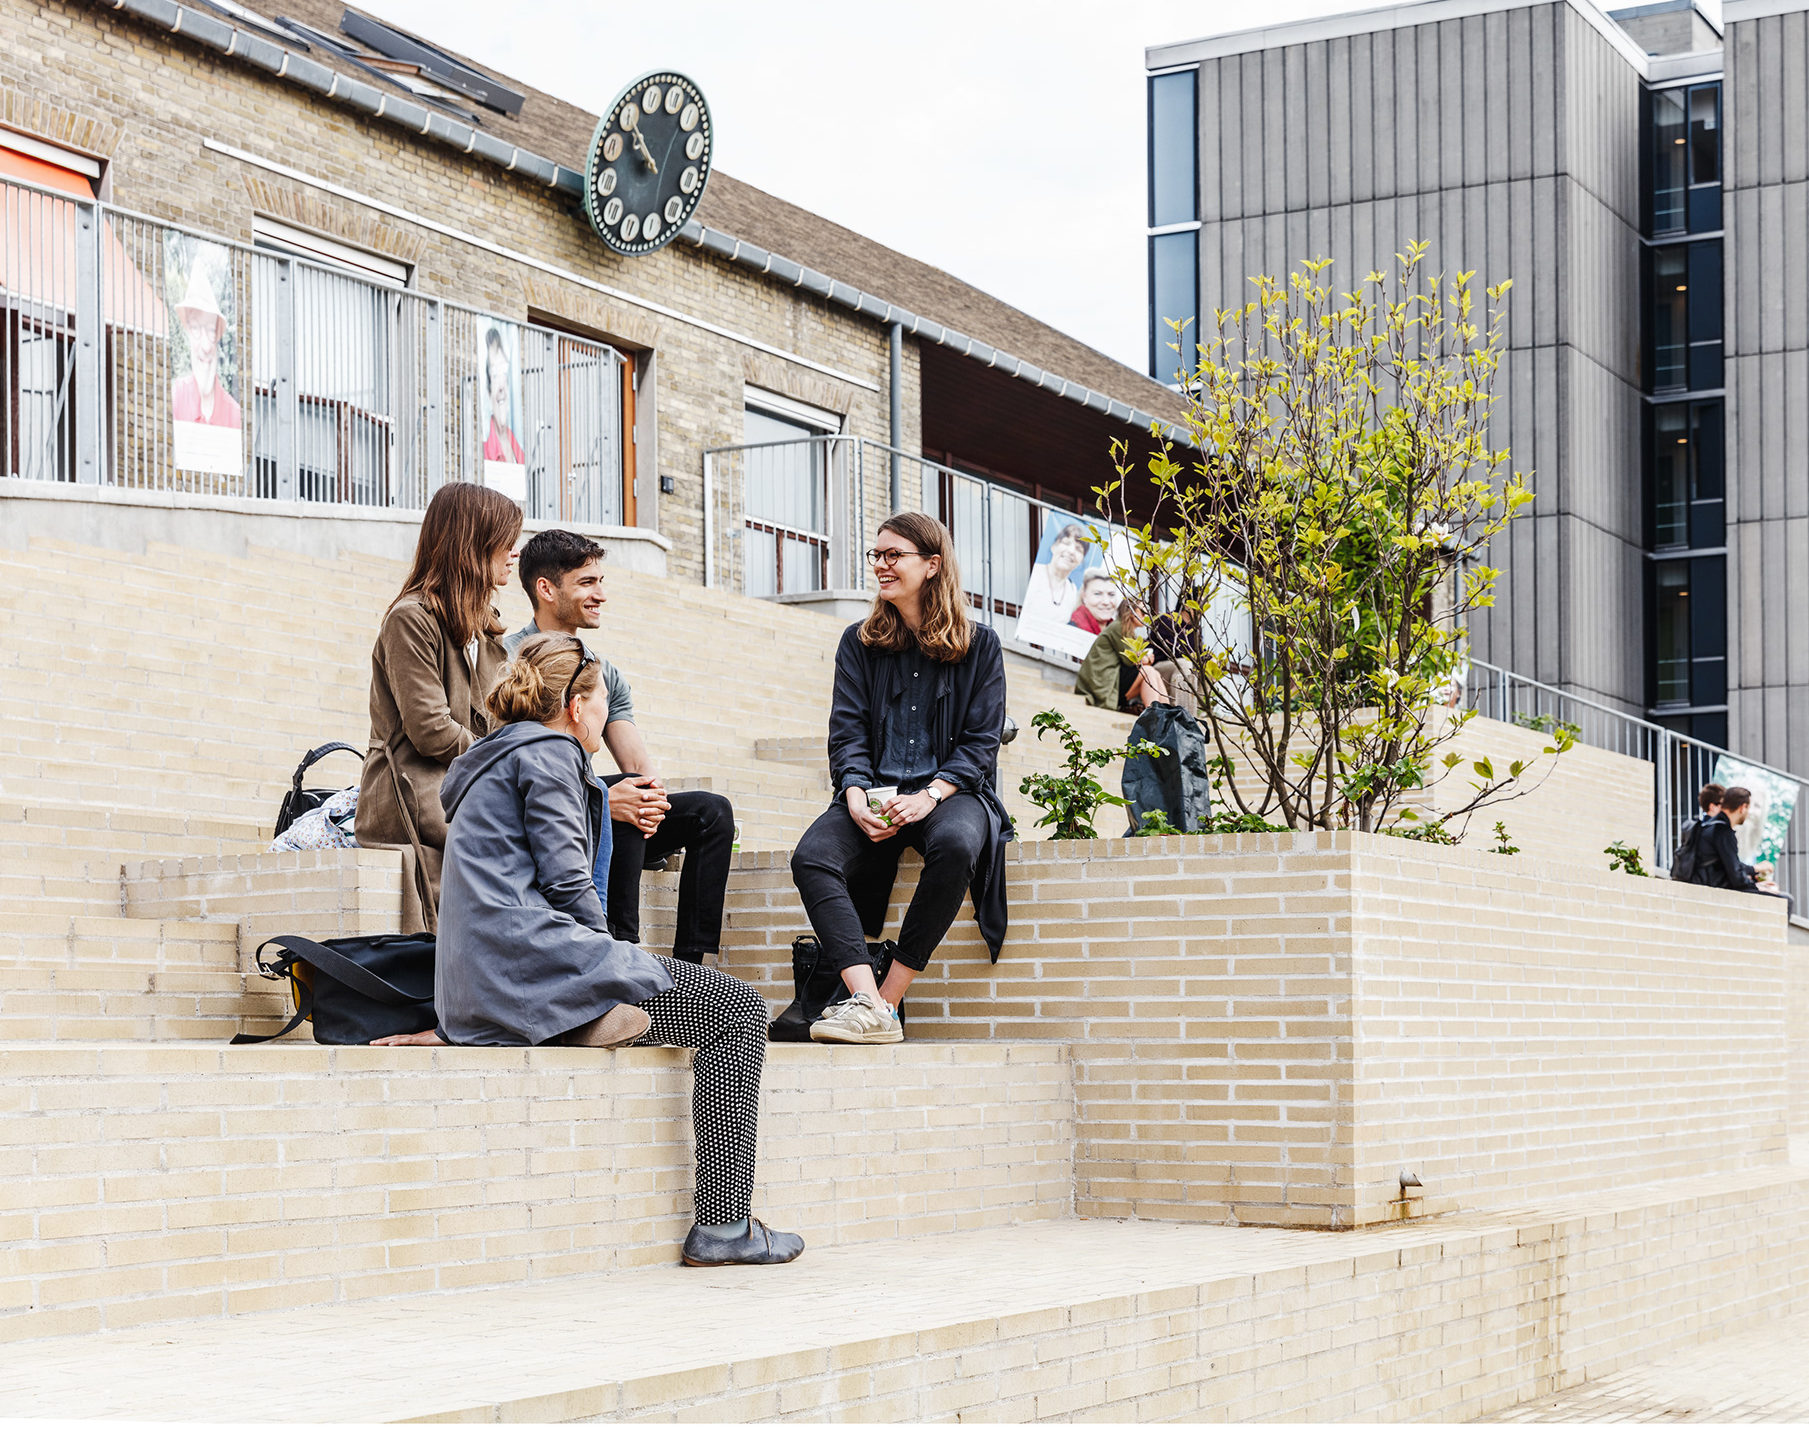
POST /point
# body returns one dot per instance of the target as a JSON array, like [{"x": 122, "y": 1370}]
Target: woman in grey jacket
[{"x": 524, "y": 955}]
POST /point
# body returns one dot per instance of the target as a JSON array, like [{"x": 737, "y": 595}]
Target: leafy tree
[{"x": 1328, "y": 531}]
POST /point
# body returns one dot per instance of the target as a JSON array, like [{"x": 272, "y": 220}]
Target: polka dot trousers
[{"x": 724, "y": 1019}]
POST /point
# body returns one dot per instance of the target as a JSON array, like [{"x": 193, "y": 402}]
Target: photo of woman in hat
[{"x": 201, "y": 396}]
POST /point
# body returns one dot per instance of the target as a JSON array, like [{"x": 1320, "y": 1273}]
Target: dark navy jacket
[
  {"x": 969, "y": 697},
  {"x": 1718, "y": 861}
]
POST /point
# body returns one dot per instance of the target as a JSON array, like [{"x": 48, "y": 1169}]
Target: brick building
[{"x": 368, "y": 212}]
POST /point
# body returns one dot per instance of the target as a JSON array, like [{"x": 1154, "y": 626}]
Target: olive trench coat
[{"x": 427, "y": 708}]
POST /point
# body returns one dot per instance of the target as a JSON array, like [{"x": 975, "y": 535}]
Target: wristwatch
[{"x": 931, "y": 791}]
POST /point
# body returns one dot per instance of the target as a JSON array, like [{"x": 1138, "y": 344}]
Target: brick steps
[
  {"x": 1054, "y": 1320},
  {"x": 172, "y": 1181}
]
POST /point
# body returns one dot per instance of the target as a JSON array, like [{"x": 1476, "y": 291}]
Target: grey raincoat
[{"x": 523, "y": 953}]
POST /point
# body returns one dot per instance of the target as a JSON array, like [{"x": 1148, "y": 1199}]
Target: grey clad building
[{"x": 1643, "y": 177}]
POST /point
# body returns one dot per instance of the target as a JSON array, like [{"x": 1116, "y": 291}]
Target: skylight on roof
[
  {"x": 251, "y": 20},
  {"x": 436, "y": 64}
]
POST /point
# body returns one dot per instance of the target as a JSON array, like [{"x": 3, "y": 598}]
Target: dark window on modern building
[
  {"x": 1684, "y": 450},
  {"x": 1174, "y": 169},
  {"x": 1689, "y": 624},
  {"x": 1174, "y": 285},
  {"x": 1684, "y": 156},
  {"x": 1684, "y": 316}
]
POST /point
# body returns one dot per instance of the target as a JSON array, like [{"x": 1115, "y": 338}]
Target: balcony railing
[{"x": 141, "y": 354}]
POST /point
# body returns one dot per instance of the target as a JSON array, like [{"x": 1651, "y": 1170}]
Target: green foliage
[
  {"x": 1070, "y": 801},
  {"x": 1548, "y": 725},
  {"x": 1625, "y": 858},
  {"x": 1431, "y": 831},
  {"x": 1502, "y": 843},
  {"x": 1328, "y": 528},
  {"x": 1228, "y": 821},
  {"x": 1155, "y": 821}
]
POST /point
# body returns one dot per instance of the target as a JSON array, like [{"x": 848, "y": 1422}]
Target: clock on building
[{"x": 649, "y": 162}]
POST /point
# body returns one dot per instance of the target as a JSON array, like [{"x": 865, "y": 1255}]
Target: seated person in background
[
  {"x": 1718, "y": 863},
  {"x": 1109, "y": 678},
  {"x": 919, "y": 701},
  {"x": 562, "y": 573},
  {"x": 438, "y": 653},
  {"x": 1174, "y": 639},
  {"x": 523, "y": 958},
  {"x": 1098, "y": 604}
]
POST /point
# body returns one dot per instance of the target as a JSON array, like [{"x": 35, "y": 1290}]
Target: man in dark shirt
[{"x": 1718, "y": 862}]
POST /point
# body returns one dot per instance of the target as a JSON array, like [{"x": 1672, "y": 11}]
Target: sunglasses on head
[{"x": 584, "y": 659}]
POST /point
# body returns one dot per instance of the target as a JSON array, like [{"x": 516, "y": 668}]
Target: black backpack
[
  {"x": 1683, "y": 861},
  {"x": 818, "y": 984},
  {"x": 354, "y": 990}
]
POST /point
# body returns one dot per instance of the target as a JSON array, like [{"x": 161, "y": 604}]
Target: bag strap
[
  {"x": 337, "y": 966},
  {"x": 320, "y": 752},
  {"x": 304, "y": 1005}
]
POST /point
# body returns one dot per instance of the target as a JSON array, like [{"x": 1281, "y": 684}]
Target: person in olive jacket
[
  {"x": 918, "y": 706},
  {"x": 438, "y": 653}
]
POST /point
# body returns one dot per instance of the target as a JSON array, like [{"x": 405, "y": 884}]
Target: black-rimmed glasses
[{"x": 890, "y": 556}]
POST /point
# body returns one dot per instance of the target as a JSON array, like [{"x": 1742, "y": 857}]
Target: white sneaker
[{"x": 863, "y": 1018}]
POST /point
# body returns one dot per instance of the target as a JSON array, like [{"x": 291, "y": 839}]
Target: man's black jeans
[
  {"x": 842, "y": 876},
  {"x": 703, "y": 825}
]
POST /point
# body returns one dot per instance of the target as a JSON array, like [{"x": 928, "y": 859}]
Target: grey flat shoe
[{"x": 762, "y": 1246}]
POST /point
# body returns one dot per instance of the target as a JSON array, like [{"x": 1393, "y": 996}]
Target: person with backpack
[
  {"x": 1683, "y": 861},
  {"x": 524, "y": 957},
  {"x": 1717, "y": 863}
]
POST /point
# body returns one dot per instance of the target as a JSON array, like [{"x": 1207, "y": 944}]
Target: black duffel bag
[
  {"x": 818, "y": 983},
  {"x": 299, "y": 801},
  {"x": 354, "y": 990}
]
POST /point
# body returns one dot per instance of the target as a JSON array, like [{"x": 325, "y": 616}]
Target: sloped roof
[{"x": 559, "y": 131}]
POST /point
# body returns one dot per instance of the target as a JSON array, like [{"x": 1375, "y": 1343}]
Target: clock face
[{"x": 649, "y": 163}]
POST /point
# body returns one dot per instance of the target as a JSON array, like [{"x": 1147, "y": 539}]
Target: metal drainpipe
[{"x": 897, "y": 385}]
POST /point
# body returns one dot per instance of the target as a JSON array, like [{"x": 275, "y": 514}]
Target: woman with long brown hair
[
  {"x": 919, "y": 702},
  {"x": 438, "y": 652}
]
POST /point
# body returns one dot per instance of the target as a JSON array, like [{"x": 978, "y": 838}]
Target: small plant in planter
[
  {"x": 1502, "y": 844},
  {"x": 1070, "y": 801},
  {"x": 1155, "y": 821},
  {"x": 1429, "y": 831},
  {"x": 1625, "y": 858}
]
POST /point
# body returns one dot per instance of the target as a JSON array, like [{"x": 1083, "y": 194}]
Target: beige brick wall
[
  {"x": 1268, "y": 1028},
  {"x": 155, "y": 1183}
]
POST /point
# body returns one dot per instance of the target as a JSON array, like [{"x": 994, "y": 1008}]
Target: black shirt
[{"x": 906, "y": 757}]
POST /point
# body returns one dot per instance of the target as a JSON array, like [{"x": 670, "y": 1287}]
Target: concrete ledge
[{"x": 125, "y": 519}]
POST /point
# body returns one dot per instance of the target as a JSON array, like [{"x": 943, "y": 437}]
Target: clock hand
[{"x": 646, "y": 153}]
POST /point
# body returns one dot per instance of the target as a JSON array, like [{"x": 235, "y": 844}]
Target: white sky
[{"x": 1002, "y": 142}]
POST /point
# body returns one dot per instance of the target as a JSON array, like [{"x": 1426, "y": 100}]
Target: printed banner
[
  {"x": 1762, "y": 836},
  {"x": 206, "y": 422},
  {"x": 1071, "y": 595},
  {"x": 499, "y": 407}
]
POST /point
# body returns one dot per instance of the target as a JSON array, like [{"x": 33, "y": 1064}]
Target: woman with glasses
[
  {"x": 524, "y": 956},
  {"x": 913, "y": 755},
  {"x": 438, "y": 653}
]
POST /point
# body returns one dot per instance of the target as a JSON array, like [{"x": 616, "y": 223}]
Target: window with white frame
[{"x": 786, "y": 485}]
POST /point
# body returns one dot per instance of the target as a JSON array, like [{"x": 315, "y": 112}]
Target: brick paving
[{"x": 1758, "y": 1376}]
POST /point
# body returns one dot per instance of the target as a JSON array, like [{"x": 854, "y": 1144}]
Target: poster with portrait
[
  {"x": 206, "y": 421},
  {"x": 499, "y": 407},
  {"x": 1071, "y": 595},
  {"x": 1762, "y": 837}
]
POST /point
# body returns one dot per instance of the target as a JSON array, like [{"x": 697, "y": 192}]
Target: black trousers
[
  {"x": 703, "y": 825},
  {"x": 845, "y": 878}
]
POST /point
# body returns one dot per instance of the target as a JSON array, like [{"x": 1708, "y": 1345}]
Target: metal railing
[
  {"x": 138, "y": 353},
  {"x": 791, "y": 516},
  {"x": 1682, "y": 764}
]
